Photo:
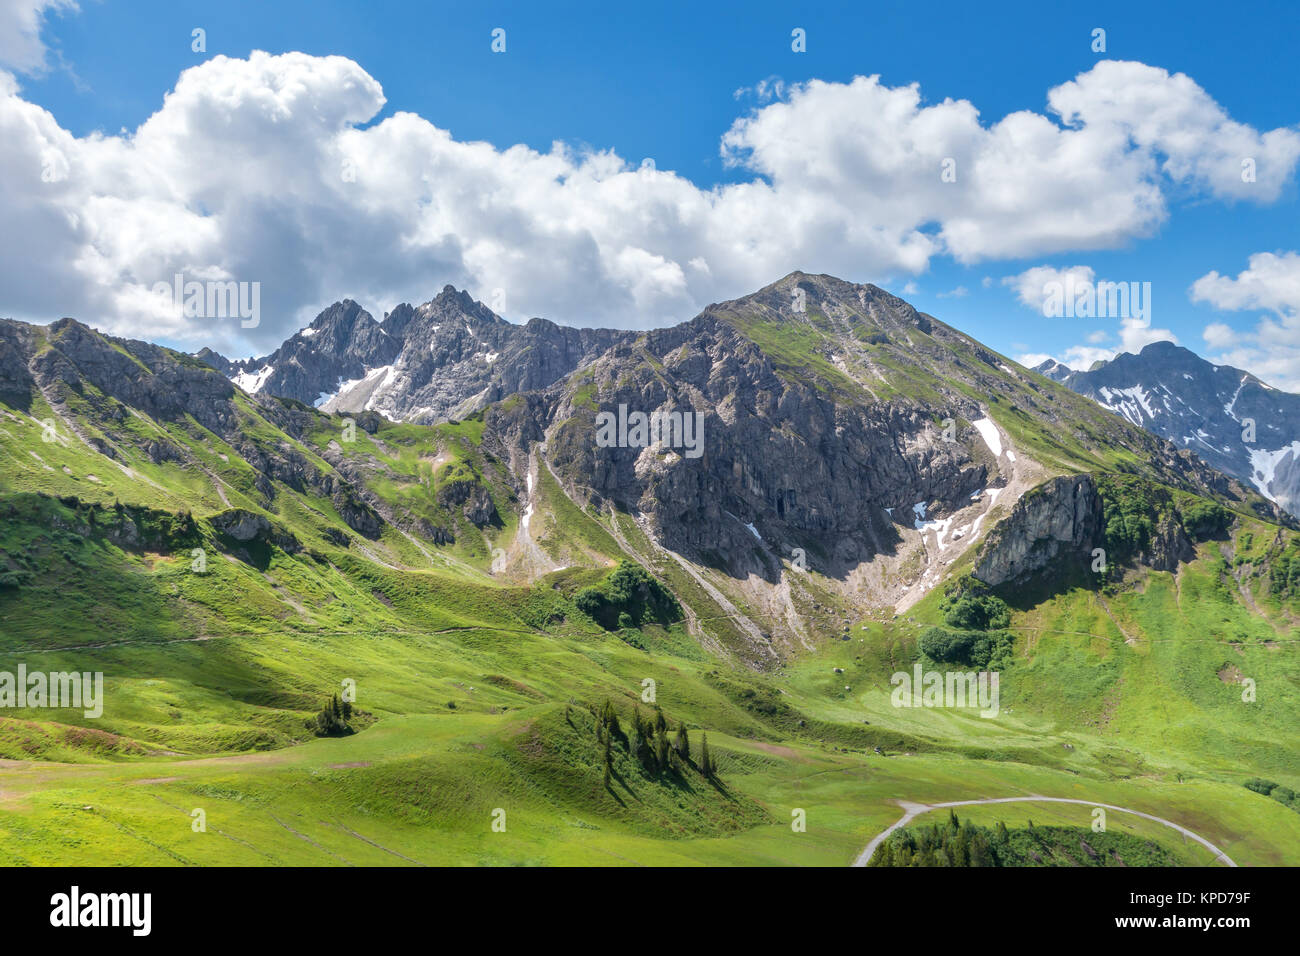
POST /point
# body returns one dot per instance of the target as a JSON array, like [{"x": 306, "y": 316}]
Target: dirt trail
[
  {"x": 379, "y": 846},
  {"x": 378, "y": 560},
  {"x": 303, "y": 836},
  {"x": 911, "y": 810},
  {"x": 1129, "y": 639},
  {"x": 107, "y": 644}
]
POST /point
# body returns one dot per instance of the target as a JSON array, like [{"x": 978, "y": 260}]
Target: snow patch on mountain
[
  {"x": 1228, "y": 409},
  {"x": 252, "y": 382},
  {"x": 1128, "y": 402},
  {"x": 1264, "y": 465},
  {"x": 989, "y": 432}
]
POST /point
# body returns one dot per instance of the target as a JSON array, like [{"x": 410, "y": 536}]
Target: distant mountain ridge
[
  {"x": 1206, "y": 408},
  {"x": 450, "y": 356}
]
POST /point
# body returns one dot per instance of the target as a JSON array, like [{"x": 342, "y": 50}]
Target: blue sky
[{"x": 661, "y": 81}]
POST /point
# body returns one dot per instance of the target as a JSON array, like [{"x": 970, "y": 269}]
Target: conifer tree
[
  {"x": 682, "y": 742},
  {"x": 661, "y": 752},
  {"x": 706, "y": 764},
  {"x": 609, "y": 717}
]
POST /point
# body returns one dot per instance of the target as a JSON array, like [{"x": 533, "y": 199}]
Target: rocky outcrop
[
  {"x": 474, "y": 500},
  {"x": 243, "y": 527},
  {"x": 356, "y": 513},
  {"x": 1168, "y": 547},
  {"x": 240, "y": 525},
  {"x": 17, "y": 341},
  {"x": 1060, "y": 519},
  {"x": 1063, "y": 520}
]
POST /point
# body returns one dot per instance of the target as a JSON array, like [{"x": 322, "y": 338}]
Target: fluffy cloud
[
  {"x": 1134, "y": 332},
  {"x": 1270, "y": 282},
  {"x": 1172, "y": 121},
  {"x": 1030, "y": 287},
  {"x": 262, "y": 169},
  {"x": 21, "y": 47}
]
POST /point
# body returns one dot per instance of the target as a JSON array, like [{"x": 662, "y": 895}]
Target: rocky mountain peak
[
  {"x": 827, "y": 304},
  {"x": 1051, "y": 368},
  {"x": 1238, "y": 424},
  {"x": 344, "y": 328}
]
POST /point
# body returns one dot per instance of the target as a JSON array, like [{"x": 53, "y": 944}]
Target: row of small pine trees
[
  {"x": 647, "y": 741},
  {"x": 953, "y": 844},
  {"x": 334, "y": 720}
]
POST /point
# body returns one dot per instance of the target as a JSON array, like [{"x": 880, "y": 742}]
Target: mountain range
[
  {"x": 423, "y": 508},
  {"x": 453, "y": 356}
]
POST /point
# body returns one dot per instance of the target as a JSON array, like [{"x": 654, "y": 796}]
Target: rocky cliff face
[
  {"x": 861, "y": 444},
  {"x": 1229, "y": 418},
  {"x": 162, "y": 383},
  {"x": 63, "y": 359},
  {"x": 1059, "y": 520}
]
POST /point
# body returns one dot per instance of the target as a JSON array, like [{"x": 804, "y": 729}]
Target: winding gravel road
[{"x": 912, "y": 810}]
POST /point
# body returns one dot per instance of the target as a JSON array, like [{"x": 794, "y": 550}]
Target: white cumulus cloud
[
  {"x": 21, "y": 21},
  {"x": 1271, "y": 283},
  {"x": 274, "y": 169}
]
